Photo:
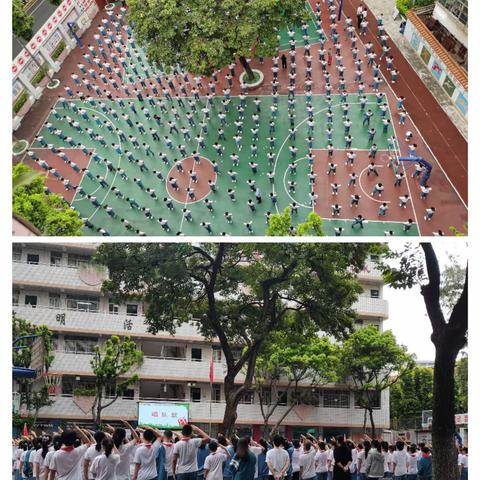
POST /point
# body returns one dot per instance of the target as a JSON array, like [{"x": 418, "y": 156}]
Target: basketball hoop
[{"x": 52, "y": 382}]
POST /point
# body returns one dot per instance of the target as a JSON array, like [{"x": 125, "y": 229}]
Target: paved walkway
[{"x": 393, "y": 29}]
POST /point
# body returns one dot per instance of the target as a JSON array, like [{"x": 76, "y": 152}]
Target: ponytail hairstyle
[
  {"x": 57, "y": 442},
  {"x": 119, "y": 436},
  {"x": 45, "y": 445},
  {"x": 367, "y": 446},
  {"x": 98, "y": 436},
  {"x": 107, "y": 444}
]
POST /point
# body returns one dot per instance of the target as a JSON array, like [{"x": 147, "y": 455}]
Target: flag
[
  {"x": 210, "y": 374},
  {"x": 25, "y": 430}
]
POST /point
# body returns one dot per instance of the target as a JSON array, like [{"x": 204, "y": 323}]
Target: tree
[
  {"x": 238, "y": 293},
  {"x": 48, "y": 212},
  {"x": 22, "y": 22},
  {"x": 280, "y": 225},
  {"x": 371, "y": 362},
  {"x": 461, "y": 385},
  {"x": 290, "y": 365},
  {"x": 206, "y": 36},
  {"x": 409, "y": 396},
  {"x": 449, "y": 336},
  {"x": 112, "y": 366},
  {"x": 32, "y": 398}
]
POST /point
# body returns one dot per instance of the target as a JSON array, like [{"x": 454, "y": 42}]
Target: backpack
[{"x": 27, "y": 470}]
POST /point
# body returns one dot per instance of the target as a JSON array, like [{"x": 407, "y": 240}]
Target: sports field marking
[
  {"x": 369, "y": 194},
  {"x": 288, "y": 192}
]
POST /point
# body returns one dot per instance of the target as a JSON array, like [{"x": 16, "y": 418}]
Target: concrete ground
[{"x": 387, "y": 7}]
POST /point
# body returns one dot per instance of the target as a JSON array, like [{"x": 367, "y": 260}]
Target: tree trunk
[
  {"x": 231, "y": 403},
  {"x": 364, "y": 420},
  {"x": 443, "y": 416},
  {"x": 247, "y": 68},
  {"x": 372, "y": 423}
]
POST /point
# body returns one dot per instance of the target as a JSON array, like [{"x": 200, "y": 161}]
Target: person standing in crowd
[
  {"x": 342, "y": 457},
  {"x": 425, "y": 465},
  {"x": 399, "y": 461},
  {"x": 277, "y": 459},
  {"x": 375, "y": 462},
  {"x": 244, "y": 461}
]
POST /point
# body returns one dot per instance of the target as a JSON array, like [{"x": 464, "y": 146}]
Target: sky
[{"x": 408, "y": 319}]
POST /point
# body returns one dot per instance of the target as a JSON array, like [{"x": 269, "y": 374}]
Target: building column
[
  {"x": 36, "y": 92},
  {"x": 48, "y": 59}
]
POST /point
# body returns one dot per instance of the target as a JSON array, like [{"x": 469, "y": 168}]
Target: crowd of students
[
  {"x": 191, "y": 454},
  {"x": 114, "y": 67}
]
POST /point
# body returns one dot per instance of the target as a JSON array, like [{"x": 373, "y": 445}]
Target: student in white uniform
[
  {"x": 126, "y": 450},
  {"x": 92, "y": 452},
  {"x": 184, "y": 464},
  {"x": 463, "y": 464},
  {"x": 41, "y": 455},
  {"x": 56, "y": 445},
  {"x": 145, "y": 456},
  {"x": 277, "y": 459},
  {"x": 67, "y": 462},
  {"x": 399, "y": 460},
  {"x": 412, "y": 460},
  {"x": 307, "y": 462},
  {"x": 104, "y": 466},
  {"x": 168, "y": 446},
  {"x": 321, "y": 461},
  {"x": 214, "y": 461},
  {"x": 296, "y": 454}
]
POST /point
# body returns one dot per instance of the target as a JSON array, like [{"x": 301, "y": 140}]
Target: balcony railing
[{"x": 368, "y": 306}]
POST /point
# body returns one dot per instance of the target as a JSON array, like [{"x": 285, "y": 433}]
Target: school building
[{"x": 56, "y": 285}]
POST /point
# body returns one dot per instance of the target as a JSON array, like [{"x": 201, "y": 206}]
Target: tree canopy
[
  {"x": 46, "y": 211},
  {"x": 22, "y": 22},
  {"x": 112, "y": 366},
  {"x": 206, "y": 36},
  {"x": 372, "y": 361},
  {"x": 239, "y": 293},
  {"x": 280, "y": 225}
]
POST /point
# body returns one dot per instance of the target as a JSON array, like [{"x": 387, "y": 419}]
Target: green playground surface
[{"x": 241, "y": 213}]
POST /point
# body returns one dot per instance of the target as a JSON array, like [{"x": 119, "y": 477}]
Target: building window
[
  {"x": 113, "y": 308},
  {"x": 282, "y": 398},
  {"x": 132, "y": 309},
  {"x": 15, "y": 297},
  {"x": 69, "y": 384},
  {"x": 33, "y": 258},
  {"x": 374, "y": 293},
  {"x": 79, "y": 345},
  {"x": 55, "y": 259},
  {"x": 216, "y": 393},
  {"x": 374, "y": 258},
  {"x": 195, "y": 394},
  {"x": 54, "y": 300},
  {"x": 373, "y": 396},
  {"x": 196, "y": 355},
  {"x": 266, "y": 395},
  {"x": 237, "y": 353},
  {"x": 217, "y": 354},
  {"x": 247, "y": 398},
  {"x": 336, "y": 399},
  {"x": 31, "y": 300},
  {"x": 17, "y": 254},
  {"x": 359, "y": 322},
  {"x": 75, "y": 260},
  {"x": 83, "y": 303}
]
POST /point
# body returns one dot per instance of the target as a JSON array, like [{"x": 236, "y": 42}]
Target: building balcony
[
  {"x": 98, "y": 323},
  {"x": 371, "y": 307},
  {"x": 152, "y": 368},
  {"x": 66, "y": 408},
  {"x": 87, "y": 277},
  {"x": 370, "y": 273}
]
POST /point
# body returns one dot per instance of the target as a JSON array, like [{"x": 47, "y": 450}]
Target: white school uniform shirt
[
  {"x": 463, "y": 460},
  {"x": 91, "y": 454},
  {"x": 41, "y": 462},
  {"x": 146, "y": 456},
  {"x": 307, "y": 462},
  {"x": 103, "y": 467},
  {"x": 321, "y": 461},
  {"x": 17, "y": 455},
  {"x": 297, "y": 453},
  {"x": 332, "y": 459},
  {"x": 126, "y": 451},
  {"x": 388, "y": 462},
  {"x": 412, "y": 460},
  {"x": 361, "y": 461},
  {"x": 214, "y": 465},
  {"x": 400, "y": 460},
  {"x": 168, "y": 457},
  {"x": 186, "y": 449},
  {"x": 278, "y": 457},
  {"x": 49, "y": 459},
  {"x": 68, "y": 463}
]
